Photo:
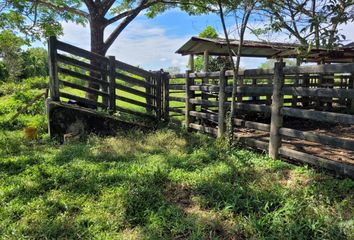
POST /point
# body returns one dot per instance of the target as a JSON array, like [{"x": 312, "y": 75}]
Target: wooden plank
[
  {"x": 177, "y": 110},
  {"x": 132, "y": 69},
  {"x": 205, "y": 88},
  {"x": 252, "y": 107},
  {"x": 319, "y": 92},
  {"x": 132, "y": 101},
  {"x": 177, "y": 99},
  {"x": 203, "y": 102},
  {"x": 210, "y": 130},
  {"x": 277, "y": 118},
  {"x": 82, "y": 88},
  {"x": 338, "y": 167},
  {"x": 241, "y": 106},
  {"x": 81, "y": 76},
  {"x": 80, "y": 52},
  {"x": 253, "y": 125},
  {"x": 318, "y": 115},
  {"x": 82, "y": 100},
  {"x": 209, "y": 116},
  {"x": 323, "y": 69},
  {"x": 252, "y": 142},
  {"x": 178, "y": 75},
  {"x": 53, "y": 68},
  {"x": 323, "y": 139},
  {"x": 134, "y": 81},
  {"x": 134, "y": 91},
  {"x": 77, "y": 63},
  {"x": 177, "y": 87}
]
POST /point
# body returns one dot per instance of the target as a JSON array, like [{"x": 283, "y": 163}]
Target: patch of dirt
[{"x": 215, "y": 224}]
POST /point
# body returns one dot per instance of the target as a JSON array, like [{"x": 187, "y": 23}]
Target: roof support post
[{"x": 191, "y": 63}]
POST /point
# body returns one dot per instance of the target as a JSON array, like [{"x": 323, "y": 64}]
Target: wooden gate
[{"x": 121, "y": 88}]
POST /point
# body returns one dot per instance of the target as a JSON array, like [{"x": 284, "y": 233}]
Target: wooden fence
[
  {"x": 118, "y": 84},
  {"x": 274, "y": 94}
]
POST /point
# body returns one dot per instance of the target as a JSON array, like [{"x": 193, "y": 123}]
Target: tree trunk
[{"x": 97, "y": 46}]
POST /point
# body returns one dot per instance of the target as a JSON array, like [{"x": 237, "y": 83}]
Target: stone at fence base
[{"x": 70, "y": 122}]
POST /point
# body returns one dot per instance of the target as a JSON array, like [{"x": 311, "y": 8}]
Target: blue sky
[{"x": 151, "y": 43}]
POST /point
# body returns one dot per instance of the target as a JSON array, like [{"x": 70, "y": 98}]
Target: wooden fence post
[
  {"x": 166, "y": 96},
  {"x": 277, "y": 104},
  {"x": 222, "y": 100},
  {"x": 149, "y": 90},
  {"x": 112, "y": 83},
  {"x": 189, "y": 95},
  {"x": 53, "y": 68},
  {"x": 158, "y": 83},
  {"x": 105, "y": 69},
  {"x": 352, "y": 87},
  {"x": 306, "y": 84}
]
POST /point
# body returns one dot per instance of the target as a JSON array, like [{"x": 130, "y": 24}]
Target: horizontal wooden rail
[
  {"x": 82, "y": 76},
  {"x": 202, "y": 128},
  {"x": 77, "y": 63},
  {"x": 208, "y": 116},
  {"x": 80, "y": 52},
  {"x": 323, "y": 69},
  {"x": 253, "y": 125},
  {"x": 134, "y": 91},
  {"x": 132, "y": 101},
  {"x": 338, "y": 167},
  {"x": 318, "y": 115},
  {"x": 134, "y": 70},
  {"x": 177, "y": 87},
  {"x": 82, "y": 100},
  {"x": 176, "y": 99},
  {"x": 176, "y": 110},
  {"x": 322, "y": 139},
  {"x": 133, "y": 81},
  {"x": 319, "y": 92},
  {"x": 83, "y": 88}
]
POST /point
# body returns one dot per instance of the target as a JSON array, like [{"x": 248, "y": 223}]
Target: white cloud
[{"x": 139, "y": 44}]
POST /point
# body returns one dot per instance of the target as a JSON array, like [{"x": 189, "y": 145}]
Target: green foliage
[
  {"x": 10, "y": 51},
  {"x": 209, "y": 32},
  {"x": 164, "y": 185},
  {"x": 35, "y": 63}
]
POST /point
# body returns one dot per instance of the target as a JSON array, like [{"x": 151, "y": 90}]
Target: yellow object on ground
[{"x": 30, "y": 132}]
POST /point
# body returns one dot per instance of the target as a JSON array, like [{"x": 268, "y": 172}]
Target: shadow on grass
[{"x": 169, "y": 185}]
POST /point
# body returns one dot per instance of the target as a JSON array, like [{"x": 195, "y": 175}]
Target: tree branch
[{"x": 62, "y": 8}]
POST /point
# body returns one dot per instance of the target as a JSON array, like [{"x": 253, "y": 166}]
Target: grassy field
[{"x": 167, "y": 184}]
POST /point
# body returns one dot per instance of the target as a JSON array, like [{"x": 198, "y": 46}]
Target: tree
[
  {"x": 246, "y": 8},
  {"x": 35, "y": 62},
  {"x": 10, "y": 52},
  {"x": 311, "y": 22},
  {"x": 38, "y": 18}
]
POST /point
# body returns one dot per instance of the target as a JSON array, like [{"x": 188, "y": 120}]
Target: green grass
[{"x": 167, "y": 184}]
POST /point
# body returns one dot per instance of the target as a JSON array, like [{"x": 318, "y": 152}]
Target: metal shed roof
[{"x": 218, "y": 47}]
